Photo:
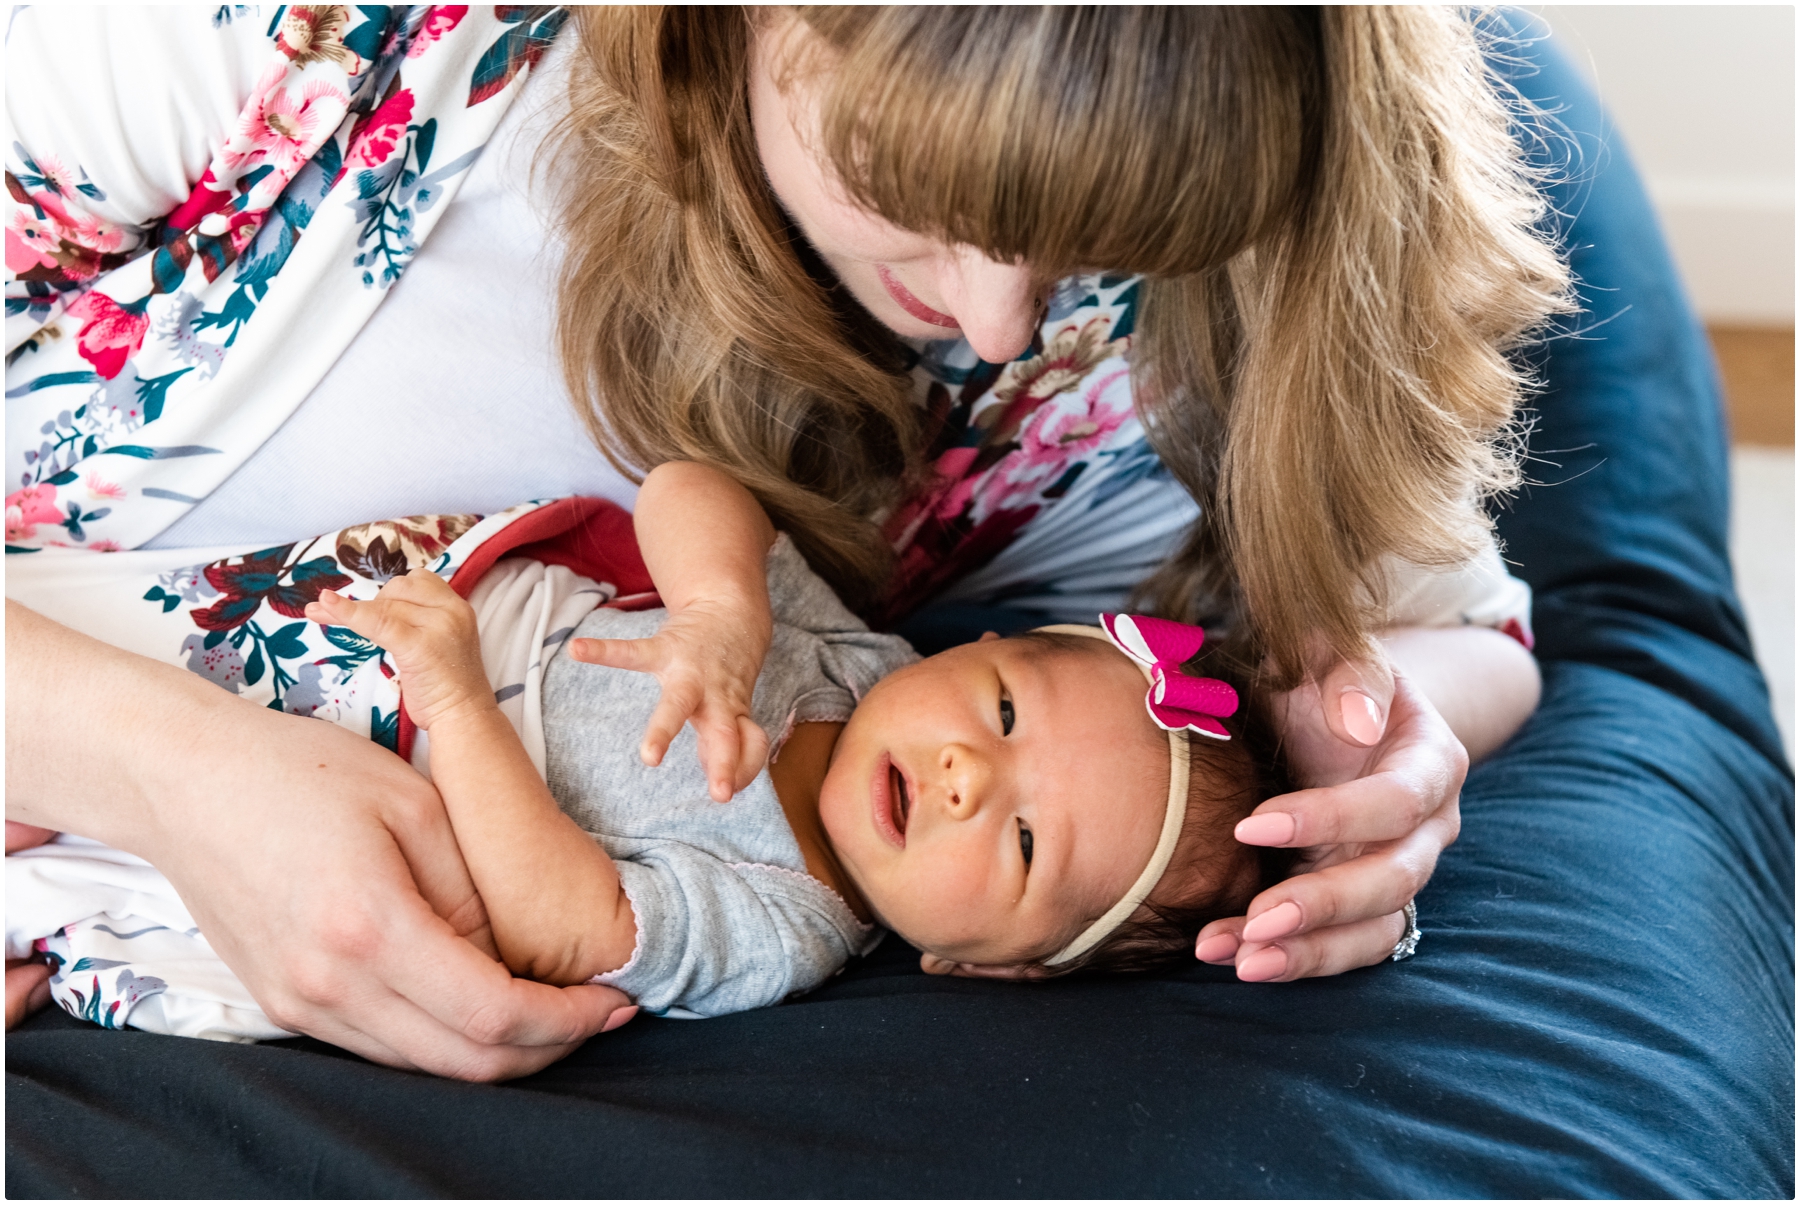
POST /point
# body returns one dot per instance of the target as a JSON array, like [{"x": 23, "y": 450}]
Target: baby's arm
[
  {"x": 705, "y": 541},
  {"x": 553, "y": 898}
]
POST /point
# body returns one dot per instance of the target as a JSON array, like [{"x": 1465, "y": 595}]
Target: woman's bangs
[{"x": 1067, "y": 138}]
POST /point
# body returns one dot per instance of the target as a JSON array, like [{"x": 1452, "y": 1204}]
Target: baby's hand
[
  {"x": 706, "y": 657},
  {"x": 429, "y": 631}
]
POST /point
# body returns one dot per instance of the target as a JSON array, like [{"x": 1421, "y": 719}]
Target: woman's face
[{"x": 918, "y": 286}]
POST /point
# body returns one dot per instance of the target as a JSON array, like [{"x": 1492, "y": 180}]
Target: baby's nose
[{"x": 967, "y": 778}]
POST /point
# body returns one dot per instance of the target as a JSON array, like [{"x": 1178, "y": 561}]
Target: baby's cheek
[{"x": 954, "y": 907}]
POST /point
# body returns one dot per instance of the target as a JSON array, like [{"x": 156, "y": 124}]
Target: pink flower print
[
  {"x": 209, "y": 196},
  {"x": 385, "y": 127},
  {"x": 31, "y": 241},
  {"x": 314, "y": 33},
  {"x": 93, "y": 233},
  {"x": 98, "y": 488},
  {"x": 439, "y": 21},
  {"x": 104, "y": 546},
  {"x": 61, "y": 180},
  {"x": 280, "y": 131},
  {"x": 1065, "y": 432},
  {"x": 29, "y": 507},
  {"x": 1067, "y": 358},
  {"x": 110, "y": 333}
]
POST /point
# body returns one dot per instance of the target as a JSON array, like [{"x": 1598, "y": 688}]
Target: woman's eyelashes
[
  {"x": 1025, "y": 843},
  {"x": 1006, "y": 721}
]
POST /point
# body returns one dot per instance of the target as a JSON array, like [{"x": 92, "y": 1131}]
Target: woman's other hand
[
  {"x": 1383, "y": 752},
  {"x": 342, "y": 902},
  {"x": 321, "y": 867},
  {"x": 706, "y": 658}
]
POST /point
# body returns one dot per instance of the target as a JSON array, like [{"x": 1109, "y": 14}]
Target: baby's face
[{"x": 989, "y": 800}]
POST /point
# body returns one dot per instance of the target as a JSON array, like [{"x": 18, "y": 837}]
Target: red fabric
[{"x": 590, "y": 536}]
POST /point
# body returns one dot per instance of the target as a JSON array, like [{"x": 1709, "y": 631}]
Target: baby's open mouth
[{"x": 902, "y": 804}]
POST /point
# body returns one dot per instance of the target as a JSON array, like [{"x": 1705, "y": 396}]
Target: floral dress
[
  {"x": 150, "y": 353},
  {"x": 160, "y": 327}
]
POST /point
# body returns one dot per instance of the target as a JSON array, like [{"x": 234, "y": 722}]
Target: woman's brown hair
[{"x": 1340, "y": 238}]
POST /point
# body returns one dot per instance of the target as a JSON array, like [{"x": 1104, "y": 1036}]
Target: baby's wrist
[
  {"x": 462, "y": 710},
  {"x": 744, "y": 607}
]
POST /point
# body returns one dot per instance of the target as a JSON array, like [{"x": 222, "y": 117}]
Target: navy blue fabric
[{"x": 1602, "y": 1005}]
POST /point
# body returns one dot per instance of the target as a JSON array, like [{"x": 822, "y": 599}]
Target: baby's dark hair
[{"x": 1211, "y": 874}]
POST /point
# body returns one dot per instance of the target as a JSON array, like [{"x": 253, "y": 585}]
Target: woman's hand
[
  {"x": 1369, "y": 844},
  {"x": 321, "y": 867},
  {"x": 1383, "y": 751},
  {"x": 706, "y": 658}
]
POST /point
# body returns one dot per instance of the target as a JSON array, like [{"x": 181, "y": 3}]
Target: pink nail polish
[
  {"x": 1362, "y": 718},
  {"x": 1263, "y": 965},
  {"x": 1218, "y": 948},
  {"x": 1269, "y": 828},
  {"x": 1277, "y": 922}
]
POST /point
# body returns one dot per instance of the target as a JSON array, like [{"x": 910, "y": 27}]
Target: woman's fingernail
[
  {"x": 1269, "y": 828},
  {"x": 1278, "y": 921},
  {"x": 619, "y": 1017},
  {"x": 1264, "y": 965},
  {"x": 1220, "y": 947},
  {"x": 1362, "y": 718}
]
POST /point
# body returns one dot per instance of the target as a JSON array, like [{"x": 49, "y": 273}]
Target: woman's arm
[
  {"x": 552, "y": 896},
  {"x": 321, "y": 867},
  {"x": 1483, "y": 682}
]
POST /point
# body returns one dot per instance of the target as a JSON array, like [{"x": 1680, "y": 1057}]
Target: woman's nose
[
  {"x": 995, "y": 304},
  {"x": 967, "y": 777}
]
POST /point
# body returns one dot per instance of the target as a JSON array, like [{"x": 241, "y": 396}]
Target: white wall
[{"x": 1704, "y": 95}]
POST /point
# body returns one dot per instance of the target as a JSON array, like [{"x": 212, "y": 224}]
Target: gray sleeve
[{"x": 716, "y": 938}]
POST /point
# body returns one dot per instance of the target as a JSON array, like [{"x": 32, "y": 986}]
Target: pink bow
[{"x": 1176, "y": 700}]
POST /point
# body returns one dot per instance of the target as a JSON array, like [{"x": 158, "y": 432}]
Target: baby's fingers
[
  {"x": 679, "y": 701},
  {"x": 639, "y": 656},
  {"x": 721, "y": 753},
  {"x": 753, "y": 751},
  {"x": 341, "y": 611}
]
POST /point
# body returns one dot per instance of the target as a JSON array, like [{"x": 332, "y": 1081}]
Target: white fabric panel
[
  {"x": 140, "y": 96},
  {"x": 373, "y": 440}
]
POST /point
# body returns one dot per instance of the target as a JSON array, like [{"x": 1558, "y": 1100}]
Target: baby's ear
[{"x": 931, "y": 964}]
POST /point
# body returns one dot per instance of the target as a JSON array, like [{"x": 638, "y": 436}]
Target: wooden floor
[{"x": 1757, "y": 364}]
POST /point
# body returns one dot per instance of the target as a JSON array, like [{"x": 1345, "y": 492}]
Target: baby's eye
[
  {"x": 1025, "y": 842},
  {"x": 1006, "y": 721}
]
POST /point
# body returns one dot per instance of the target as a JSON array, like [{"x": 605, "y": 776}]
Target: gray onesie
[{"x": 728, "y": 917}]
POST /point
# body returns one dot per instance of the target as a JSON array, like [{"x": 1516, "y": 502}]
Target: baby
[{"x": 1014, "y": 808}]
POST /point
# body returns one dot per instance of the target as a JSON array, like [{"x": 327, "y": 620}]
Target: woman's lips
[
  {"x": 884, "y": 802},
  {"x": 912, "y": 305}
]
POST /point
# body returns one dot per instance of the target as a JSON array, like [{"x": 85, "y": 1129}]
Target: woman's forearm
[
  {"x": 553, "y": 898},
  {"x": 95, "y": 734},
  {"x": 1484, "y": 683}
]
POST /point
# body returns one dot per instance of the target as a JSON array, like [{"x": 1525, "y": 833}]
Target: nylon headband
[{"x": 1173, "y": 815}]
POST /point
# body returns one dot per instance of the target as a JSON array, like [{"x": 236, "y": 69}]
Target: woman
[{"x": 1340, "y": 248}]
